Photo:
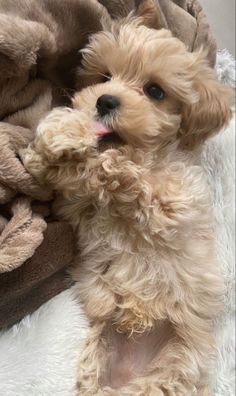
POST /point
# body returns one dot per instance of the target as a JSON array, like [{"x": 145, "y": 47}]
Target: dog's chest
[{"x": 105, "y": 230}]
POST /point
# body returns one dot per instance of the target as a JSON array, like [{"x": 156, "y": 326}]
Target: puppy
[{"x": 123, "y": 165}]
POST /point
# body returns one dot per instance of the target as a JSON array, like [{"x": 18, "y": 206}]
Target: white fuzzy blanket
[{"x": 38, "y": 357}]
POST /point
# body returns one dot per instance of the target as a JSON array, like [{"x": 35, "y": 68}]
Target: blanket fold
[
  {"x": 20, "y": 236},
  {"x": 13, "y": 175},
  {"x": 39, "y": 278},
  {"x": 40, "y": 43}
]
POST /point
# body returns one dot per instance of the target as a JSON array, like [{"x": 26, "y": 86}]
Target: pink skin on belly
[{"x": 128, "y": 357}]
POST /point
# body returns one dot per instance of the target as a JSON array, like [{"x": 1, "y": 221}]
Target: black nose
[{"x": 106, "y": 104}]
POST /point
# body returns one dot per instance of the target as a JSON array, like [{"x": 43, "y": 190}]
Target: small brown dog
[{"x": 122, "y": 164}]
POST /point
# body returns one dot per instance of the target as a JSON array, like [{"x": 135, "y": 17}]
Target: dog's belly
[{"x": 129, "y": 357}]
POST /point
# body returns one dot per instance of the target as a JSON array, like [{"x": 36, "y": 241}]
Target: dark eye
[
  {"x": 106, "y": 77},
  {"x": 154, "y": 91}
]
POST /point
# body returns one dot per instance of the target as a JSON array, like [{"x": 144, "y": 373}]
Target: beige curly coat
[{"x": 148, "y": 280}]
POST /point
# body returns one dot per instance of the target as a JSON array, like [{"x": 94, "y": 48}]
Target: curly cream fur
[{"x": 147, "y": 275}]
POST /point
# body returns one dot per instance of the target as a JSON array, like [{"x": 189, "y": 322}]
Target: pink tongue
[{"x": 101, "y": 129}]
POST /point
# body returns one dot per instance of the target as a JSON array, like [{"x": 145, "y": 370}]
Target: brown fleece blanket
[{"x": 39, "y": 53}]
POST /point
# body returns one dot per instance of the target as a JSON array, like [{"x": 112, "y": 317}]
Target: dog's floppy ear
[
  {"x": 151, "y": 14},
  {"x": 211, "y": 109}
]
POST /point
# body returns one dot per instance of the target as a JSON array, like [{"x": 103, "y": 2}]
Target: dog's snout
[{"x": 106, "y": 104}]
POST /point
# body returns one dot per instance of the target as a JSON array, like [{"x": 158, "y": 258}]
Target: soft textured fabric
[
  {"x": 218, "y": 161},
  {"x": 39, "y": 356},
  {"x": 25, "y": 289}
]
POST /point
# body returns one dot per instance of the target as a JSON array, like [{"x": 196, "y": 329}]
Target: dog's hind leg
[{"x": 92, "y": 362}]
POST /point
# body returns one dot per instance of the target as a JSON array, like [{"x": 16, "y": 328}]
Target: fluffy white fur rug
[{"x": 38, "y": 356}]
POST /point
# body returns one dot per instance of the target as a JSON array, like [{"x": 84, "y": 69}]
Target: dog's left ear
[
  {"x": 210, "y": 111},
  {"x": 151, "y": 14}
]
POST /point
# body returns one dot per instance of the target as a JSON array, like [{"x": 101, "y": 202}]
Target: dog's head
[
  {"x": 142, "y": 88},
  {"x": 146, "y": 89}
]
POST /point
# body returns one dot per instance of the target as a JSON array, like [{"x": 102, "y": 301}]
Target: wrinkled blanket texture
[{"x": 39, "y": 54}]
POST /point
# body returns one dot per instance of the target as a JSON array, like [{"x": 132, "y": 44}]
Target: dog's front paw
[
  {"x": 33, "y": 162},
  {"x": 65, "y": 134}
]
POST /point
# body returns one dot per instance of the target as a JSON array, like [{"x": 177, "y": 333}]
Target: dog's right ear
[{"x": 151, "y": 14}]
